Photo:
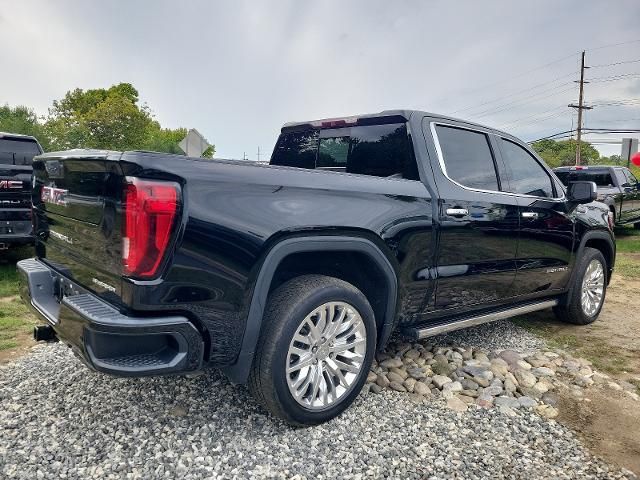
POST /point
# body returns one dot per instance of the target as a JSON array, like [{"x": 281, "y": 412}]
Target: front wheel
[
  {"x": 315, "y": 350},
  {"x": 589, "y": 290}
]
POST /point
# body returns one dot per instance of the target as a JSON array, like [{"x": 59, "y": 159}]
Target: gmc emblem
[
  {"x": 10, "y": 185},
  {"x": 54, "y": 196}
]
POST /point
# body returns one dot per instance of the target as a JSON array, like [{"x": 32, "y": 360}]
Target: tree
[
  {"x": 22, "y": 120},
  {"x": 563, "y": 152}
]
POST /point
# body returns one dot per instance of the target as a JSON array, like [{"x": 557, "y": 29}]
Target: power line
[
  {"x": 602, "y": 65},
  {"x": 613, "y": 45},
  {"x": 529, "y": 99}
]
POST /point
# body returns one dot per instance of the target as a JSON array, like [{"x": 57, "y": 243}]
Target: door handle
[
  {"x": 457, "y": 212},
  {"x": 530, "y": 215}
]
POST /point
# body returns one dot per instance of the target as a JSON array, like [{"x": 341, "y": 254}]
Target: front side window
[
  {"x": 467, "y": 157},
  {"x": 526, "y": 175}
]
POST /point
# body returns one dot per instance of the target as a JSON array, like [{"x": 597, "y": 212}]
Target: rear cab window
[
  {"x": 375, "y": 150},
  {"x": 602, "y": 178},
  {"x": 18, "y": 151}
]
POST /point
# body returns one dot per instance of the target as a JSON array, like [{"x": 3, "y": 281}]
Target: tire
[
  {"x": 574, "y": 311},
  {"x": 289, "y": 310}
]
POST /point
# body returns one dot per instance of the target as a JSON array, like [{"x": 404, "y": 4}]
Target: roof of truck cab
[
  {"x": 404, "y": 113},
  {"x": 17, "y": 136}
]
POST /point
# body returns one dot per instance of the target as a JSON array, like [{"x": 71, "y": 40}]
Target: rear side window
[
  {"x": 526, "y": 175},
  {"x": 631, "y": 179},
  {"x": 467, "y": 157},
  {"x": 602, "y": 178},
  {"x": 376, "y": 150},
  {"x": 17, "y": 152}
]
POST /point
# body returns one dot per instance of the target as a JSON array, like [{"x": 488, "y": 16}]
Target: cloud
[{"x": 237, "y": 70}]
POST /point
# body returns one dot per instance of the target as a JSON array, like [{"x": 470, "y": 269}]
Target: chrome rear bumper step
[{"x": 431, "y": 330}]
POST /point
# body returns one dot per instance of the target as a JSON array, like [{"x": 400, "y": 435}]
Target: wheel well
[
  {"x": 357, "y": 268},
  {"x": 605, "y": 249}
]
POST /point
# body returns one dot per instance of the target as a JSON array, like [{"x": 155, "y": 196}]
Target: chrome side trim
[
  {"x": 480, "y": 319},
  {"x": 443, "y": 168}
]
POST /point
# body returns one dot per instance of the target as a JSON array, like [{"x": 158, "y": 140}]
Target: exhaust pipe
[{"x": 44, "y": 333}]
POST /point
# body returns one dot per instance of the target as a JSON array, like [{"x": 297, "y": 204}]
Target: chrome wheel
[
  {"x": 592, "y": 287},
  {"x": 326, "y": 355}
]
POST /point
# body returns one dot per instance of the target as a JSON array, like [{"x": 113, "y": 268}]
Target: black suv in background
[
  {"x": 290, "y": 276},
  {"x": 16, "y": 155},
  {"x": 617, "y": 187}
]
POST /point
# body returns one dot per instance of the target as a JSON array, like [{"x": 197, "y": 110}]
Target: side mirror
[{"x": 582, "y": 192}]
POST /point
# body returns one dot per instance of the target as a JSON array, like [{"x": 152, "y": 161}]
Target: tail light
[
  {"x": 151, "y": 210},
  {"x": 611, "y": 220}
]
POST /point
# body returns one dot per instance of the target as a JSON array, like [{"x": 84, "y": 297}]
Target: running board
[{"x": 419, "y": 333}]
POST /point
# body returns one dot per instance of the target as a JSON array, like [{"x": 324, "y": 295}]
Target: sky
[{"x": 237, "y": 70}]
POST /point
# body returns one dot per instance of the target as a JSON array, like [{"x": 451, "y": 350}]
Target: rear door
[
  {"x": 478, "y": 221},
  {"x": 546, "y": 228}
]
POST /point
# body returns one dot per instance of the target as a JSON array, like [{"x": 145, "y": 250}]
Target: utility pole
[
  {"x": 580, "y": 107},
  {"x": 244, "y": 155},
  {"x": 258, "y": 153}
]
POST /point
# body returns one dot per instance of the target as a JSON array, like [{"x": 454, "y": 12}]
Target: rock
[
  {"x": 412, "y": 354},
  {"x": 521, "y": 364},
  {"x": 417, "y": 373},
  {"x": 383, "y": 381},
  {"x": 493, "y": 391},
  {"x": 415, "y": 398},
  {"x": 551, "y": 355},
  {"x": 484, "y": 401},
  {"x": 394, "y": 377},
  {"x": 452, "y": 387},
  {"x": 467, "y": 400},
  {"x": 510, "y": 356},
  {"x": 375, "y": 388},
  {"x": 469, "y": 393},
  {"x": 542, "y": 386},
  {"x": 499, "y": 366},
  {"x": 469, "y": 384},
  {"x": 456, "y": 405},
  {"x": 543, "y": 372},
  {"x": 441, "y": 368},
  {"x": 627, "y": 385},
  {"x": 600, "y": 378},
  {"x": 583, "y": 381},
  {"x": 547, "y": 411},
  {"x": 391, "y": 363},
  {"x": 536, "y": 361},
  {"x": 440, "y": 380},
  {"x": 506, "y": 401},
  {"x": 614, "y": 386},
  {"x": 633, "y": 395},
  {"x": 551, "y": 398},
  {"x": 467, "y": 354},
  {"x": 527, "y": 402},
  {"x": 409, "y": 384},
  {"x": 398, "y": 387},
  {"x": 525, "y": 378},
  {"x": 571, "y": 365},
  {"x": 481, "y": 356},
  {"x": 401, "y": 372},
  {"x": 371, "y": 377},
  {"x": 509, "y": 385},
  {"x": 421, "y": 389}
]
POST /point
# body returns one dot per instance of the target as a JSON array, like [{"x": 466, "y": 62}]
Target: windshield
[
  {"x": 17, "y": 151},
  {"x": 602, "y": 178}
]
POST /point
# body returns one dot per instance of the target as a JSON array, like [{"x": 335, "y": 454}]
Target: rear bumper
[
  {"x": 103, "y": 338},
  {"x": 15, "y": 232}
]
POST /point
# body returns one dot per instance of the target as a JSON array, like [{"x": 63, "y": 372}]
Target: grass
[
  {"x": 15, "y": 319},
  {"x": 628, "y": 252},
  {"x": 603, "y": 357}
]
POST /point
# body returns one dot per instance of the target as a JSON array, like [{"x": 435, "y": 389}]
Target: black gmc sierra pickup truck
[
  {"x": 618, "y": 188},
  {"x": 290, "y": 276},
  {"x": 16, "y": 154}
]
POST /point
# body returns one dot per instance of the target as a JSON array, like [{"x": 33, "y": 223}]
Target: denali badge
[
  {"x": 106, "y": 286},
  {"x": 557, "y": 269},
  {"x": 54, "y": 196},
  {"x": 10, "y": 184},
  {"x": 60, "y": 236}
]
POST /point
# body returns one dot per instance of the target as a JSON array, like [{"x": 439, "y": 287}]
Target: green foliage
[
  {"x": 563, "y": 152},
  {"x": 109, "y": 119},
  {"x": 22, "y": 120}
]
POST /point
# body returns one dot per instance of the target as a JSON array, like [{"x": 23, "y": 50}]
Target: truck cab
[{"x": 16, "y": 155}]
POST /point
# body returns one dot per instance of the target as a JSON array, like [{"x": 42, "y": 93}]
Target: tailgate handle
[{"x": 457, "y": 212}]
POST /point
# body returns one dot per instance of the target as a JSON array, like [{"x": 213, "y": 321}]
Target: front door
[
  {"x": 546, "y": 228},
  {"x": 478, "y": 221}
]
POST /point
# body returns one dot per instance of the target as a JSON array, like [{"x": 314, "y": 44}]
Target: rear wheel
[
  {"x": 585, "y": 302},
  {"x": 315, "y": 350}
]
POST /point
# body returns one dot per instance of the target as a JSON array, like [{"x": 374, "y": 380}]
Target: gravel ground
[{"x": 60, "y": 420}]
